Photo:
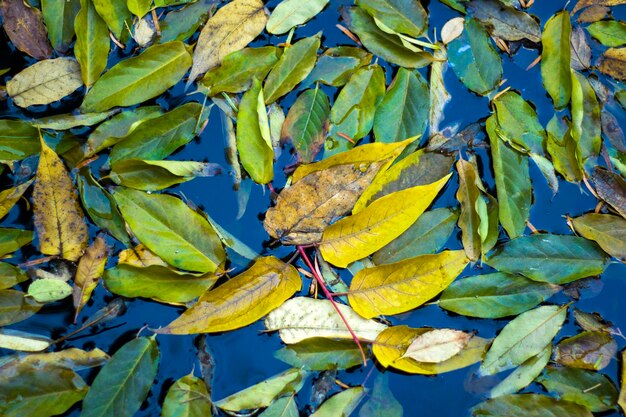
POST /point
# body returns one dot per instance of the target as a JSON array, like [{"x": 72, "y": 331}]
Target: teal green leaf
[
  {"x": 291, "y": 13},
  {"x": 116, "y": 15},
  {"x": 549, "y": 258},
  {"x": 318, "y": 354},
  {"x": 556, "y": 58},
  {"x": 609, "y": 32},
  {"x": 172, "y": 230},
  {"x": 518, "y": 123},
  {"x": 18, "y": 140},
  {"x": 15, "y": 306},
  {"x": 58, "y": 15},
  {"x": 47, "y": 290},
  {"x": 139, "y": 7},
  {"x": 10, "y": 275},
  {"x": 523, "y": 375},
  {"x": 92, "y": 42},
  {"x": 137, "y": 79},
  {"x": 522, "y": 338},
  {"x": 124, "y": 382},
  {"x": 381, "y": 401},
  {"x": 294, "y": 65},
  {"x": 13, "y": 239},
  {"x": 253, "y": 136},
  {"x": 586, "y": 124},
  {"x": 606, "y": 230},
  {"x": 575, "y": 385},
  {"x": 341, "y": 404},
  {"x": 495, "y": 295},
  {"x": 283, "y": 407},
  {"x": 175, "y": 26},
  {"x": 528, "y": 405},
  {"x": 402, "y": 16},
  {"x": 157, "y": 175},
  {"x": 563, "y": 149},
  {"x": 474, "y": 59},
  {"x": 188, "y": 397},
  {"x": 336, "y": 65},
  {"x": 403, "y": 111}
]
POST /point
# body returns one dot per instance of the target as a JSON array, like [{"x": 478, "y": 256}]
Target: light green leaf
[
  {"x": 13, "y": 239},
  {"x": 341, "y": 404},
  {"x": 157, "y": 175},
  {"x": 283, "y": 407},
  {"x": 609, "y": 32},
  {"x": 402, "y": 16},
  {"x": 518, "y": 123},
  {"x": 48, "y": 290},
  {"x": 606, "y": 230},
  {"x": 92, "y": 42},
  {"x": 139, "y": 7},
  {"x": 586, "y": 124},
  {"x": 563, "y": 149},
  {"x": 291, "y": 13},
  {"x": 556, "y": 57},
  {"x": 18, "y": 140},
  {"x": 523, "y": 375},
  {"x": 187, "y": 397},
  {"x": 116, "y": 15}
]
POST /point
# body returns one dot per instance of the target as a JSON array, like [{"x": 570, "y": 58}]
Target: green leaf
[
  {"x": 10, "y": 196},
  {"x": 124, "y": 382},
  {"x": 403, "y": 111},
  {"x": 58, "y": 15},
  {"x": 474, "y": 60},
  {"x": 505, "y": 22},
  {"x": 609, "y": 32},
  {"x": 253, "y": 136},
  {"x": 10, "y": 275},
  {"x": 512, "y": 182},
  {"x": 283, "y": 407},
  {"x": 172, "y": 230},
  {"x": 606, "y": 230},
  {"x": 336, "y": 65},
  {"x": 139, "y": 7},
  {"x": 175, "y": 25},
  {"x": 92, "y": 42},
  {"x": 137, "y": 79},
  {"x": 592, "y": 350},
  {"x": 15, "y": 306},
  {"x": 522, "y": 338},
  {"x": 523, "y": 375},
  {"x": 563, "y": 149},
  {"x": 342, "y": 404},
  {"x": 13, "y": 239},
  {"x": 318, "y": 354},
  {"x": 403, "y": 16},
  {"x": 47, "y": 290},
  {"x": 528, "y": 405},
  {"x": 294, "y": 65},
  {"x": 381, "y": 401},
  {"x": 306, "y": 124},
  {"x": 494, "y": 295},
  {"x": 586, "y": 124},
  {"x": 157, "y": 175},
  {"x": 18, "y": 140},
  {"x": 187, "y": 397},
  {"x": 116, "y": 15},
  {"x": 549, "y": 258},
  {"x": 291, "y": 13},
  {"x": 518, "y": 123},
  {"x": 69, "y": 121},
  {"x": 556, "y": 57},
  {"x": 575, "y": 385}
]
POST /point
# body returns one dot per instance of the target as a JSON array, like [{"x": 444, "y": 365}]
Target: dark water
[{"x": 245, "y": 357}]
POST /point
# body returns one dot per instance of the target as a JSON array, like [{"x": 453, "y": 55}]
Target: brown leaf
[
  {"x": 593, "y": 14},
  {"x": 24, "y": 27},
  {"x": 611, "y": 188},
  {"x": 88, "y": 273},
  {"x": 586, "y": 3},
  {"x": 613, "y": 63},
  {"x": 581, "y": 52},
  {"x": 587, "y": 350}
]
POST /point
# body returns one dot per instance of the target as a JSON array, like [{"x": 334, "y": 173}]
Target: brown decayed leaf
[
  {"x": 611, "y": 188},
  {"x": 593, "y": 14},
  {"x": 581, "y": 52},
  {"x": 59, "y": 219},
  {"x": 24, "y": 27},
  {"x": 592, "y": 350},
  {"x": 140, "y": 256},
  {"x": 586, "y": 3},
  {"x": 613, "y": 63},
  {"x": 90, "y": 269}
]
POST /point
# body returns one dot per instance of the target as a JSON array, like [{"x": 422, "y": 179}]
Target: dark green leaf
[
  {"x": 18, "y": 139},
  {"x": 336, "y": 65},
  {"x": 13, "y": 239},
  {"x": 58, "y": 15}
]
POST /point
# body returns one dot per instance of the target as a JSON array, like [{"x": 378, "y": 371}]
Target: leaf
[
  {"x": 494, "y": 295},
  {"x": 587, "y": 350},
  {"x": 124, "y": 382},
  {"x": 45, "y": 82},
  {"x": 58, "y": 15},
  {"x": 523, "y": 375},
  {"x": 293, "y": 66},
  {"x": 175, "y": 25},
  {"x": 72, "y": 358},
  {"x": 319, "y": 354},
  {"x": 426, "y": 236},
  {"x": 581, "y": 51},
  {"x": 622, "y": 393},
  {"x": 156, "y": 220},
  {"x": 239, "y": 68},
  {"x": 518, "y": 123},
  {"x": 523, "y": 337},
  {"x": 528, "y": 405},
  {"x": 468, "y": 194},
  {"x": 139, "y": 256},
  {"x": 116, "y": 15},
  {"x": 586, "y": 3},
  {"x": 292, "y": 13},
  {"x": 609, "y": 32},
  {"x": 15, "y": 306},
  {"x": 18, "y": 140},
  {"x": 505, "y": 22},
  {"x": 58, "y": 218},
  {"x": 90, "y": 269},
  {"x": 556, "y": 57},
  {"x": 437, "y": 345},
  {"x": 439, "y": 96},
  {"x": 613, "y": 63},
  {"x": 41, "y": 392},
  {"x": 26, "y": 342},
  {"x": 611, "y": 188},
  {"x": 405, "y": 285},
  {"x": 336, "y": 65},
  {"x": 303, "y": 318},
  {"x": 549, "y": 258},
  {"x": 262, "y": 394},
  {"x": 306, "y": 124},
  {"x": 283, "y": 407},
  {"x": 564, "y": 150},
  {"x": 341, "y": 404},
  {"x": 253, "y": 137},
  {"x": 512, "y": 183},
  {"x": 230, "y": 29},
  {"x": 13, "y": 239},
  {"x": 402, "y": 16},
  {"x": 48, "y": 290},
  {"x": 403, "y": 111},
  {"x": 24, "y": 27},
  {"x": 361, "y": 234},
  {"x": 474, "y": 60},
  {"x": 392, "y": 343},
  {"x": 586, "y": 123},
  {"x": 92, "y": 42},
  {"x": 69, "y": 121},
  {"x": 137, "y": 79},
  {"x": 157, "y": 175},
  {"x": 571, "y": 384},
  {"x": 139, "y": 7},
  {"x": 381, "y": 401},
  {"x": 606, "y": 230},
  {"x": 10, "y": 275},
  {"x": 241, "y": 301},
  {"x": 187, "y": 397}
]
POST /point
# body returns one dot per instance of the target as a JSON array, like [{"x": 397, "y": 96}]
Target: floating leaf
[
  {"x": 341, "y": 404},
  {"x": 439, "y": 96},
  {"x": 402, "y": 16},
  {"x": 581, "y": 51},
  {"x": 157, "y": 175},
  {"x": 336, "y": 65},
  {"x": 505, "y": 22},
  {"x": 587, "y": 350},
  {"x": 523, "y": 375},
  {"x": 303, "y": 318},
  {"x": 175, "y": 25},
  {"x": 26, "y": 342},
  {"x": 282, "y": 407},
  {"x": 606, "y": 230},
  {"x": 622, "y": 393},
  {"x": 556, "y": 57},
  {"x": 139, "y": 7},
  {"x": 24, "y": 27},
  {"x": 381, "y": 401},
  {"x": 241, "y": 301},
  {"x": 291, "y": 13},
  {"x": 321, "y": 354},
  {"x": 116, "y": 15},
  {"x": 48, "y": 290},
  {"x": 522, "y": 338},
  {"x": 613, "y": 63},
  {"x": 187, "y": 397},
  {"x": 611, "y": 188},
  {"x": 405, "y": 285},
  {"x": 437, "y": 345},
  {"x": 15, "y": 307},
  {"x": 59, "y": 220},
  {"x": 10, "y": 275},
  {"x": 469, "y": 196},
  {"x": 586, "y": 124},
  {"x": 518, "y": 123},
  {"x": 13, "y": 239},
  {"x": 88, "y": 273},
  {"x": 586, "y": 3},
  {"x": 564, "y": 150},
  {"x": 124, "y": 382},
  {"x": 92, "y": 42},
  {"x": 574, "y": 385},
  {"x": 528, "y": 405},
  {"x": 18, "y": 140},
  {"x": 72, "y": 358},
  {"x": 609, "y": 32},
  {"x": 58, "y": 15}
]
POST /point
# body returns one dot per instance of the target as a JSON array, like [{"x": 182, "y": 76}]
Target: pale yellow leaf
[
  {"x": 25, "y": 342},
  {"x": 140, "y": 256},
  {"x": 452, "y": 29},
  {"x": 437, "y": 345}
]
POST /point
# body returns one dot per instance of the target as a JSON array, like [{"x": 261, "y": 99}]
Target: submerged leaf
[
  {"x": 505, "y": 22},
  {"x": 341, "y": 404},
  {"x": 318, "y": 354},
  {"x": 523, "y": 375}
]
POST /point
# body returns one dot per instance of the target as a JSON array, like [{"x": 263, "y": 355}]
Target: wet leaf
[
  {"x": 13, "y": 239},
  {"x": 336, "y": 65},
  {"x": 72, "y": 358},
  {"x": 518, "y": 123},
  {"x": 556, "y": 57},
  {"x": 474, "y": 60},
  {"x": 18, "y": 140},
  {"x": 15, "y": 306},
  {"x": 262, "y": 394},
  {"x": 175, "y": 25},
  {"x": 437, "y": 345},
  {"x": 137, "y": 79},
  {"x": 564, "y": 150},
  {"x": 303, "y": 318},
  {"x": 187, "y": 397},
  {"x": 58, "y": 15},
  {"x": 586, "y": 3},
  {"x": 10, "y": 275},
  {"x": 581, "y": 51},
  {"x": 157, "y": 175},
  {"x": 92, "y": 42},
  {"x": 59, "y": 220},
  {"x": 341, "y": 404},
  {"x": 505, "y": 22},
  {"x": 155, "y": 219},
  {"x": 319, "y": 354},
  {"x": 402, "y": 16},
  {"x": 439, "y": 96},
  {"x": 140, "y": 256},
  {"x": 469, "y": 195},
  {"x": 586, "y": 123},
  {"x": 291, "y": 13},
  {"x": 69, "y": 121},
  {"x": 357, "y": 236},
  {"x": 452, "y": 29},
  {"x": 45, "y": 82},
  {"x": 609, "y": 32},
  {"x": 116, "y": 15},
  {"x": 25, "y": 342},
  {"x": 381, "y": 401},
  {"x": 90, "y": 269},
  {"x": 24, "y": 27},
  {"x": 124, "y": 382},
  {"x": 613, "y": 63},
  {"x": 230, "y": 29},
  {"x": 622, "y": 393},
  {"x": 590, "y": 389},
  {"x": 611, "y": 188},
  {"x": 587, "y": 350},
  {"x": 606, "y": 230},
  {"x": 283, "y": 407},
  {"x": 522, "y": 338},
  {"x": 528, "y": 405},
  {"x": 405, "y": 285},
  {"x": 523, "y": 375},
  {"x": 241, "y": 301},
  {"x": 494, "y": 295},
  {"x": 47, "y": 290},
  {"x": 139, "y": 7}
]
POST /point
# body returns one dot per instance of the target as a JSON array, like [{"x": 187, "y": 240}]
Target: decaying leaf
[
  {"x": 90, "y": 269},
  {"x": 437, "y": 345},
  {"x": 24, "y": 26},
  {"x": 588, "y": 350},
  {"x": 611, "y": 188}
]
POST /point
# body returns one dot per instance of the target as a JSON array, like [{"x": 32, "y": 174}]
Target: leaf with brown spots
[
  {"x": 90, "y": 269},
  {"x": 59, "y": 220},
  {"x": 613, "y": 63},
  {"x": 24, "y": 27}
]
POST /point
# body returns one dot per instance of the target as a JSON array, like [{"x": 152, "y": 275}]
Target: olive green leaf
[
  {"x": 187, "y": 397},
  {"x": 609, "y": 32},
  {"x": 556, "y": 57},
  {"x": 529, "y": 405},
  {"x": 116, "y": 15},
  {"x": 92, "y": 42},
  {"x": 606, "y": 230}
]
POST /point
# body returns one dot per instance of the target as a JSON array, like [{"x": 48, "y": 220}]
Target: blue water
[{"x": 245, "y": 357}]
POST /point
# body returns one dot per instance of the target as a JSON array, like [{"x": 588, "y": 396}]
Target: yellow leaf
[
  {"x": 140, "y": 256},
  {"x": 437, "y": 345},
  {"x": 622, "y": 393},
  {"x": 9, "y": 197},
  {"x": 357, "y": 236},
  {"x": 59, "y": 220},
  {"x": 90, "y": 269},
  {"x": 240, "y": 301},
  {"x": 25, "y": 342},
  {"x": 391, "y": 345},
  {"x": 405, "y": 285}
]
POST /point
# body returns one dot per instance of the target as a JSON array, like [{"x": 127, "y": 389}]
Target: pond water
[{"x": 245, "y": 357}]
